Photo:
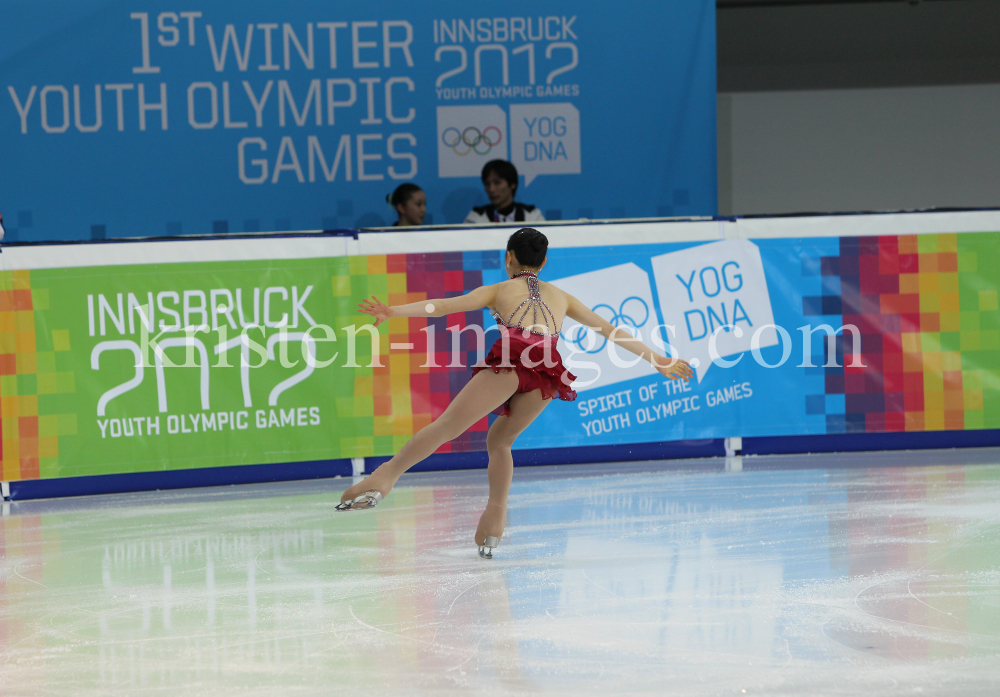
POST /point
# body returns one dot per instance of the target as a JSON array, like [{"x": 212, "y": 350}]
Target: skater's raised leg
[{"x": 484, "y": 392}]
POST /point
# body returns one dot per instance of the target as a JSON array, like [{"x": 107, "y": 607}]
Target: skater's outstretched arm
[
  {"x": 673, "y": 368},
  {"x": 483, "y": 296}
]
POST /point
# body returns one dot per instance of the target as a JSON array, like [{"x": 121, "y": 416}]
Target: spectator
[
  {"x": 410, "y": 203},
  {"x": 2, "y": 232},
  {"x": 500, "y": 181}
]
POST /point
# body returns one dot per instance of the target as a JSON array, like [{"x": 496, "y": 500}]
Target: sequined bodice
[{"x": 541, "y": 315}]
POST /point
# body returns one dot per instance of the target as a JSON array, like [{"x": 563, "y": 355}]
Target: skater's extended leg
[
  {"x": 524, "y": 408},
  {"x": 485, "y": 392}
]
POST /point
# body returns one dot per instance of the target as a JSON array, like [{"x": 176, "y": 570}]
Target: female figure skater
[
  {"x": 410, "y": 203},
  {"x": 519, "y": 377}
]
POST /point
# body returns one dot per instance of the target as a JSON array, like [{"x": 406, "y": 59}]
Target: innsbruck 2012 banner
[
  {"x": 123, "y": 119},
  {"x": 188, "y": 365}
]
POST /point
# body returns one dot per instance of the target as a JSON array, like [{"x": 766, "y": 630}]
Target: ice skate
[
  {"x": 489, "y": 544},
  {"x": 369, "y": 499}
]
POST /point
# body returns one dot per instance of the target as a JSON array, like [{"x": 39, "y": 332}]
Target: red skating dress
[{"x": 531, "y": 353}]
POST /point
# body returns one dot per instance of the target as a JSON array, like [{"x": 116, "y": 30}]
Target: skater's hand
[
  {"x": 674, "y": 368},
  {"x": 377, "y": 309}
]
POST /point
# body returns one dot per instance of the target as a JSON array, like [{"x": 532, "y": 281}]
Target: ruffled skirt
[{"x": 537, "y": 363}]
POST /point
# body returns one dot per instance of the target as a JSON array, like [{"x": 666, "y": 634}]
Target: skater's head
[{"x": 526, "y": 249}]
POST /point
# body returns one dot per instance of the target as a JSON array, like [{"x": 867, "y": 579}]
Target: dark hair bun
[{"x": 529, "y": 247}]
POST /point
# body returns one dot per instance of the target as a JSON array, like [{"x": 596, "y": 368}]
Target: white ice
[{"x": 809, "y": 575}]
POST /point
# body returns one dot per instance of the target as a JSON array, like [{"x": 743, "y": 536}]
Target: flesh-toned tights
[{"x": 485, "y": 392}]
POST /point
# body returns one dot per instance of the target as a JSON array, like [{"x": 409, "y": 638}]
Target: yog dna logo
[
  {"x": 716, "y": 297},
  {"x": 714, "y": 301},
  {"x": 543, "y": 138}
]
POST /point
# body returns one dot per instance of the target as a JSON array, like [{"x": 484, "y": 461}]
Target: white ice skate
[
  {"x": 369, "y": 499},
  {"x": 489, "y": 544}
]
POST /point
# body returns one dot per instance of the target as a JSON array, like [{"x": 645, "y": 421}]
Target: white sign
[
  {"x": 715, "y": 295},
  {"x": 468, "y": 137},
  {"x": 545, "y": 139},
  {"x": 621, "y": 295}
]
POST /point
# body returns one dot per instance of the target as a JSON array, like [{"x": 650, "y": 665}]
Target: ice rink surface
[{"x": 809, "y": 575}]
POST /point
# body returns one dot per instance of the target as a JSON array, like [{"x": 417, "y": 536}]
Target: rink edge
[
  {"x": 627, "y": 452},
  {"x": 321, "y": 469},
  {"x": 177, "y": 479},
  {"x": 866, "y": 442}
]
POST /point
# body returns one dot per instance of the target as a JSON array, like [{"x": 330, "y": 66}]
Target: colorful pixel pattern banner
[{"x": 97, "y": 376}]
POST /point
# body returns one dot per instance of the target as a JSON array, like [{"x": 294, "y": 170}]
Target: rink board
[{"x": 74, "y": 403}]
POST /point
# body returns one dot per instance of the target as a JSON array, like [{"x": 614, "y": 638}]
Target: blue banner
[
  {"x": 147, "y": 118},
  {"x": 708, "y": 301},
  {"x": 786, "y": 336}
]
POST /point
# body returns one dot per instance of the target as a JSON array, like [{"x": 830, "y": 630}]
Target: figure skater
[{"x": 521, "y": 375}]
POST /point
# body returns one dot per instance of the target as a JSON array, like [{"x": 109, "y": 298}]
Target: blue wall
[{"x": 608, "y": 109}]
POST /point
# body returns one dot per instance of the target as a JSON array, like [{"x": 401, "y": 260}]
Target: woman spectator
[
  {"x": 410, "y": 203},
  {"x": 500, "y": 181}
]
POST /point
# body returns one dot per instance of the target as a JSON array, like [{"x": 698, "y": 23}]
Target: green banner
[{"x": 152, "y": 367}]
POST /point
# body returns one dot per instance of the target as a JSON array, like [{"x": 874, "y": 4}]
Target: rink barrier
[{"x": 306, "y": 245}]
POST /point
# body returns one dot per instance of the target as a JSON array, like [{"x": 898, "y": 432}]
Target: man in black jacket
[{"x": 500, "y": 181}]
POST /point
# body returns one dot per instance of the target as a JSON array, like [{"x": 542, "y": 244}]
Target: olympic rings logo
[
  {"x": 471, "y": 139},
  {"x": 628, "y": 314}
]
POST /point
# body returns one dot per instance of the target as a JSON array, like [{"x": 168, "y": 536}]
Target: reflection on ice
[
  {"x": 721, "y": 609},
  {"x": 701, "y": 579}
]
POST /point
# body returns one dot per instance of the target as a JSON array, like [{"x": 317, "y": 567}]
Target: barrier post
[{"x": 734, "y": 457}]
